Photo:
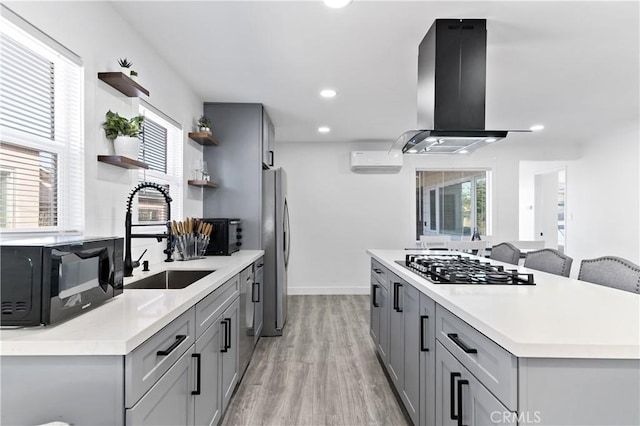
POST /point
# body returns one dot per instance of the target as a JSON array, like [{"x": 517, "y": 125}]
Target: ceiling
[{"x": 571, "y": 66}]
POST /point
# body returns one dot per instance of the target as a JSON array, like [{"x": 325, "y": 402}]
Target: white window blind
[
  {"x": 41, "y": 134},
  {"x": 153, "y": 145},
  {"x": 161, "y": 149}
]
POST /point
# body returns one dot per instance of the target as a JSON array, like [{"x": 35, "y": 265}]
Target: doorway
[{"x": 549, "y": 208}]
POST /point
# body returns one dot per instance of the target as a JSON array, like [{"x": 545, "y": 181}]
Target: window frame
[
  {"x": 68, "y": 141},
  {"x": 438, "y": 188}
]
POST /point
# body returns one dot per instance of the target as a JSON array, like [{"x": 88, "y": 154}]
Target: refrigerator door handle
[{"x": 286, "y": 233}]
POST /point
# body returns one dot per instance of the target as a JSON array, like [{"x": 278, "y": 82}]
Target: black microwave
[
  {"x": 226, "y": 237},
  {"x": 48, "y": 280}
]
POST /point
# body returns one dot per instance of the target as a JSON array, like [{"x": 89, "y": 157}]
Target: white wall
[
  {"x": 603, "y": 215},
  {"x": 336, "y": 214},
  {"x": 95, "y": 32}
]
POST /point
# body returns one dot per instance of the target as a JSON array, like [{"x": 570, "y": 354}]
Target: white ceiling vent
[{"x": 376, "y": 161}]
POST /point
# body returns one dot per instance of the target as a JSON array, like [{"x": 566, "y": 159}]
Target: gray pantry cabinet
[
  {"x": 246, "y": 134},
  {"x": 184, "y": 374},
  {"x": 448, "y": 373}
]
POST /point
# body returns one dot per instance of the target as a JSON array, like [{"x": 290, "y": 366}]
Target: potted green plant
[
  {"x": 124, "y": 133},
  {"x": 125, "y": 67},
  {"x": 204, "y": 124}
]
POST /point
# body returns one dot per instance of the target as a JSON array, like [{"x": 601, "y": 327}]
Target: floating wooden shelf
[
  {"x": 203, "y": 138},
  {"x": 203, "y": 183},
  {"x": 124, "y": 162},
  {"x": 123, "y": 83}
]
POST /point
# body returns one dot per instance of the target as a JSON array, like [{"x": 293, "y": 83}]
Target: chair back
[
  {"x": 434, "y": 241},
  {"x": 505, "y": 252},
  {"x": 611, "y": 271},
  {"x": 549, "y": 260}
]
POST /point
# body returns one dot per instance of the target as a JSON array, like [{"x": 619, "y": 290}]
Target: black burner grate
[{"x": 457, "y": 269}]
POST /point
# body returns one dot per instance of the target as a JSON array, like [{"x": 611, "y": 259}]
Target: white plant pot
[{"x": 127, "y": 146}]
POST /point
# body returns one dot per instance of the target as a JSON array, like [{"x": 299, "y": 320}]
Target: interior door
[{"x": 546, "y": 215}]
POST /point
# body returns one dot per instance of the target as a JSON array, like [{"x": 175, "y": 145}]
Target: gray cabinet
[
  {"x": 236, "y": 163},
  {"x": 257, "y": 297},
  {"x": 411, "y": 362},
  {"x": 268, "y": 140},
  {"x": 229, "y": 367},
  {"x": 427, "y": 345},
  {"x": 170, "y": 399},
  {"x": 461, "y": 399},
  {"x": 208, "y": 401},
  {"x": 395, "y": 366},
  {"x": 379, "y": 311},
  {"x": 404, "y": 347}
]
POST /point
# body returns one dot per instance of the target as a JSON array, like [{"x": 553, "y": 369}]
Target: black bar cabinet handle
[
  {"x": 255, "y": 294},
  {"x": 460, "y": 383},
  {"x": 224, "y": 344},
  {"x": 179, "y": 339},
  {"x": 375, "y": 296},
  {"x": 228, "y": 321},
  {"x": 422, "y": 345},
  {"x": 452, "y": 387},
  {"x": 377, "y": 271},
  {"x": 199, "y": 367},
  {"x": 396, "y": 296},
  {"x": 271, "y": 158},
  {"x": 457, "y": 341}
]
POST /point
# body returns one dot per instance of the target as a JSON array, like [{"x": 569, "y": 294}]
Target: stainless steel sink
[{"x": 169, "y": 280}]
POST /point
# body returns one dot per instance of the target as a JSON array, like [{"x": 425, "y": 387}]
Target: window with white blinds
[
  {"x": 161, "y": 149},
  {"x": 41, "y": 141}
]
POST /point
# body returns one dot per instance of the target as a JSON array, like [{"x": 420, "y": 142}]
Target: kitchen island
[
  {"x": 122, "y": 358},
  {"x": 562, "y": 351}
]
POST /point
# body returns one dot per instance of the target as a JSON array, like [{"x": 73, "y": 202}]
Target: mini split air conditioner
[{"x": 376, "y": 161}]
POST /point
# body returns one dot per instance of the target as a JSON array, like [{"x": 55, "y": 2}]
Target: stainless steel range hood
[{"x": 452, "y": 64}]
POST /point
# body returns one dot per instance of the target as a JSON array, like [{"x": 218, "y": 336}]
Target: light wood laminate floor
[{"x": 322, "y": 371}]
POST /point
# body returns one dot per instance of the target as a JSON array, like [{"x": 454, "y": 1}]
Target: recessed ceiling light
[
  {"x": 324, "y": 129},
  {"x": 489, "y": 140},
  {"x": 412, "y": 151},
  {"x": 336, "y": 4},
  {"x": 537, "y": 127},
  {"x": 464, "y": 151},
  {"x": 328, "y": 93}
]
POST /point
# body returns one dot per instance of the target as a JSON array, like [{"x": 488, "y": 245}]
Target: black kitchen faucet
[{"x": 128, "y": 263}]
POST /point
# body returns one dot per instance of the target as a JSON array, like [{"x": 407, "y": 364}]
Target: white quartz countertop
[
  {"x": 124, "y": 322},
  {"x": 557, "y": 318}
]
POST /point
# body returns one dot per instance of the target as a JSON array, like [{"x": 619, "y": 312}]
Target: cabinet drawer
[
  {"x": 212, "y": 306},
  {"x": 380, "y": 272},
  {"x": 495, "y": 367},
  {"x": 149, "y": 361}
]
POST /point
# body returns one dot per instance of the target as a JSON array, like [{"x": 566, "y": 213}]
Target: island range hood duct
[{"x": 452, "y": 67}]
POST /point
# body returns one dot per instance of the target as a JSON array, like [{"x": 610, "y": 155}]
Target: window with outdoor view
[
  {"x": 41, "y": 116},
  {"x": 452, "y": 202}
]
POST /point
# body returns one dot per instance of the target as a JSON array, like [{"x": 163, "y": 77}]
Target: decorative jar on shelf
[{"x": 127, "y": 146}]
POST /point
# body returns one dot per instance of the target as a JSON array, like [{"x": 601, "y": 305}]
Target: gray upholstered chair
[
  {"x": 611, "y": 271},
  {"x": 549, "y": 260},
  {"x": 505, "y": 252}
]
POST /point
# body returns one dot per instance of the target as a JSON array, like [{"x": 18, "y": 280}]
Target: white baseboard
[{"x": 308, "y": 291}]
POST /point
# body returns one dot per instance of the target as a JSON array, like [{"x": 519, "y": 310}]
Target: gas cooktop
[{"x": 457, "y": 269}]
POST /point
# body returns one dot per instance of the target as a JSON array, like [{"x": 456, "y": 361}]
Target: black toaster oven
[
  {"x": 226, "y": 237},
  {"x": 46, "y": 280}
]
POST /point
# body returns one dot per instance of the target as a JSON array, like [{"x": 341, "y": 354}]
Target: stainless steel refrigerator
[{"x": 275, "y": 243}]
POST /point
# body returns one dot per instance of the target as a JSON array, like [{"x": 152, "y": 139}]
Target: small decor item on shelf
[
  {"x": 191, "y": 238},
  {"x": 125, "y": 66},
  {"x": 124, "y": 133},
  {"x": 204, "y": 124}
]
